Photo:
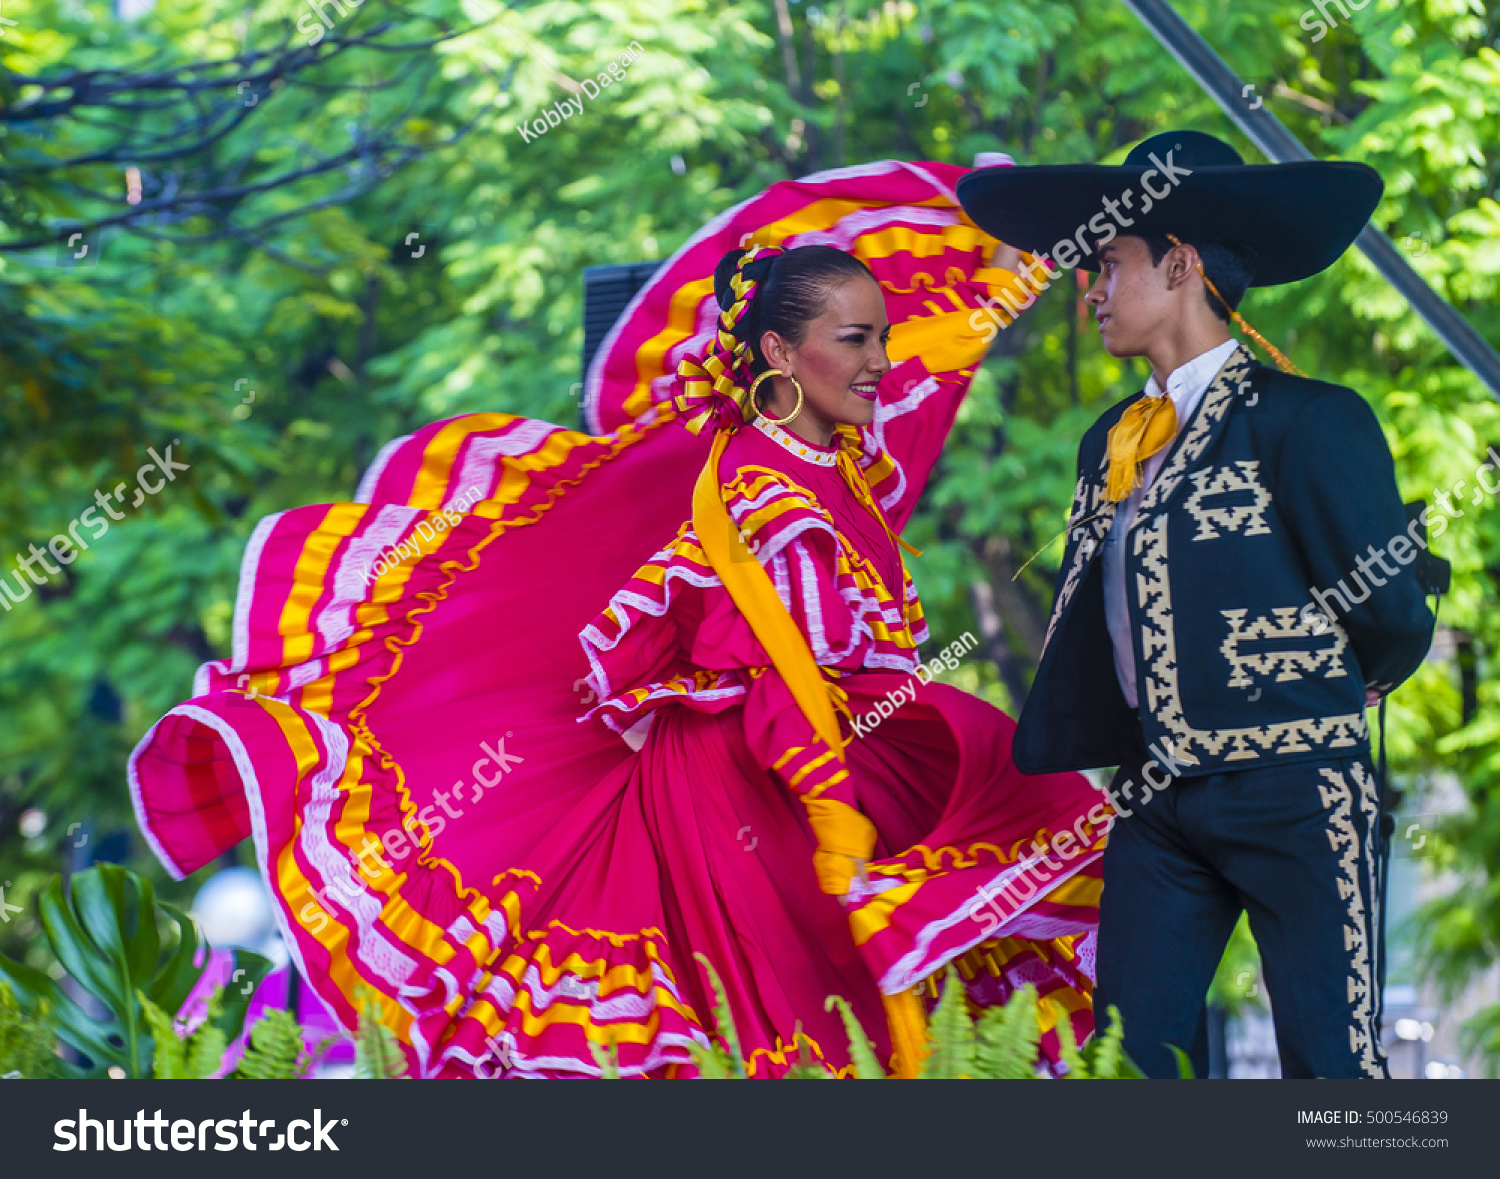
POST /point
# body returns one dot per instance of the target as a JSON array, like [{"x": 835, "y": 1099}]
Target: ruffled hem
[{"x": 534, "y": 1007}]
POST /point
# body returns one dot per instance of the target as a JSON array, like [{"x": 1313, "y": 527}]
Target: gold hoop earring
[
  {"x": 755, "y": 384},
  {"x": 796, "y": 410}
]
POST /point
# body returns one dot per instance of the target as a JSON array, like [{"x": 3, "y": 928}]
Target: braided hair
[{"x": 791, "y": 291}]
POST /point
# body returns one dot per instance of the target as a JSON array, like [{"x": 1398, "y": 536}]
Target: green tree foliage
[{"x": 263, "y": 304}]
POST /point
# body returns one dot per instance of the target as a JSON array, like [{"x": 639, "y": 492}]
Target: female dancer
[{"x": 746, "y": 765}]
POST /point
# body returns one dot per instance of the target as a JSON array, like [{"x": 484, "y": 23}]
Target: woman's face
[{"x": 839, "y": 363}]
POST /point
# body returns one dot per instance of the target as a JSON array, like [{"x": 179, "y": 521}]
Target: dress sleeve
[{"x": 850, "y": 618}]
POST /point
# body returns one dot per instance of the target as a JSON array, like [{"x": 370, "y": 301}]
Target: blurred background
[{"x": 277, "y": 235}]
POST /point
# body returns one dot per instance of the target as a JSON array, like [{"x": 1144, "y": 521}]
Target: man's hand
[
  {"x": 1006, "y": 257},
  {"x": 1372, "y": 697}
]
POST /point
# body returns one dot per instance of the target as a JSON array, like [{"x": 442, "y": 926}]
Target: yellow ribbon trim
[{"x": 855, "y": 478}]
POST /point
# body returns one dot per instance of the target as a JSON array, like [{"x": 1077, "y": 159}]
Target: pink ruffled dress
[{"x": 515, "y": 766}]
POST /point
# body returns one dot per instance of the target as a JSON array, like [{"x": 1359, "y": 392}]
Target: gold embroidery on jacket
[
  {"x": 1094, "y": 515},
  {"x": 1234, "y": 481},
  {"x": 1288, "y": 646},
  {"x": 1160, "y": 690}
]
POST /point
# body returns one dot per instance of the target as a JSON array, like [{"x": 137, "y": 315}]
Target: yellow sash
[
  {"x": 841, "y": 830},
  {"x": 750, "y": 587}
]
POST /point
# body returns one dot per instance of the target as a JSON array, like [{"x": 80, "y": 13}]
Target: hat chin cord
[{"x": 1283, "y": 362}]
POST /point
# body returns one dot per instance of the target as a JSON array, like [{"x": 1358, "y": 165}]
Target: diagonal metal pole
[{"x": 1266, "y": 131}]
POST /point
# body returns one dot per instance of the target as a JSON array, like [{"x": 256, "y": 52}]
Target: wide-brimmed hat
[{"x": 1297, "y": 219}]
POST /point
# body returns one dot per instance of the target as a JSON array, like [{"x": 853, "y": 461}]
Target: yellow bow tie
[{"x": 1143, "y": 429}]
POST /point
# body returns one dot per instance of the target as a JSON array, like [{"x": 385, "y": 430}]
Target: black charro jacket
[{"x": 1274, "y": 488}]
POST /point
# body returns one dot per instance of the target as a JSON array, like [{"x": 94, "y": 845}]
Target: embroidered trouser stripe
[
  {"x": 1353, "y": 820},
  {"x": 1294, "y": 845}
]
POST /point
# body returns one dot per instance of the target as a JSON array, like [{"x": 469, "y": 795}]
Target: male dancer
[{"x": 1237, "y": 588}]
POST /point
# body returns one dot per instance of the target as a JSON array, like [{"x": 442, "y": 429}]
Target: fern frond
[
  {"x": 723, "y": 1025},
  {"x": 608, "y": 1062},
  {"x": 377, "y": 1052},
  {"x": 274, "y": 1051},
  {"x": 207, "y": 1045},
  {"x": 1103, "y": 1052},
  {"x": 179, "y": 1057},
  {"x": 1078, "y": 1066},
  {"x": 950, "y": 1034},
  {"x": 1106, "y": 1056},
  {"x": 1007, "y": 1039},
  {"x": 861, "y": 1051},
  {"x": 170, "y": 1060},
  {"x": 712, "y": 1063},
  {"x": 807, "y": 1068}
]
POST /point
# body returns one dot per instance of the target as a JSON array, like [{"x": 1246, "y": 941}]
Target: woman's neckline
[{"x": 810, "y": 452}]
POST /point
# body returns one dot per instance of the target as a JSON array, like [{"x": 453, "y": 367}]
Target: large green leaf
[
  {"x": 104, "y": 930},
  {"x": 175, "y": 980},
  {"x": 246, "y": 970}
]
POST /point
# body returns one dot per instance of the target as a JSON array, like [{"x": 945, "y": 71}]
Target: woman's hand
[{"x": 860, "y": 870}]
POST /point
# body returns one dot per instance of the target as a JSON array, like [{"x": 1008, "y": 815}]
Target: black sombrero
[{"x": 1297, "y": 218}]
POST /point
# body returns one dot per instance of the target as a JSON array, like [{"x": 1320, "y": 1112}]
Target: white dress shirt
[{"x": 1185, "y": 386}]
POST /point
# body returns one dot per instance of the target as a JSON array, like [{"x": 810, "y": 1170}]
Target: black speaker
[{"x": 607, "y": 290}]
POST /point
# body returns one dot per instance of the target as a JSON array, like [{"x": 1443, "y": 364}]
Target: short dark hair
[
  {"x": 793, "y": 291},
  {"x": 1230, "y": 268}
]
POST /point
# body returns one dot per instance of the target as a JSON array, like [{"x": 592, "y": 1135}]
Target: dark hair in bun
[{"x": 793, "y": 290}]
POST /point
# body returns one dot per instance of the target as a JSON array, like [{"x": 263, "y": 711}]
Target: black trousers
[{"x": 1292, "y": 844}]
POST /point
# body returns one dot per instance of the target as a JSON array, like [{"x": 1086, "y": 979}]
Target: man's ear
[{"x": 1182, "y": 264}]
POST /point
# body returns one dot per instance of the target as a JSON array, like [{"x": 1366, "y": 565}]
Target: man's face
[{"x": 1131, "y": 298}]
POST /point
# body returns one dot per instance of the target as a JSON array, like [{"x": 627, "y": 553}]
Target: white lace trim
[{"x": 797, "y": 447}]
